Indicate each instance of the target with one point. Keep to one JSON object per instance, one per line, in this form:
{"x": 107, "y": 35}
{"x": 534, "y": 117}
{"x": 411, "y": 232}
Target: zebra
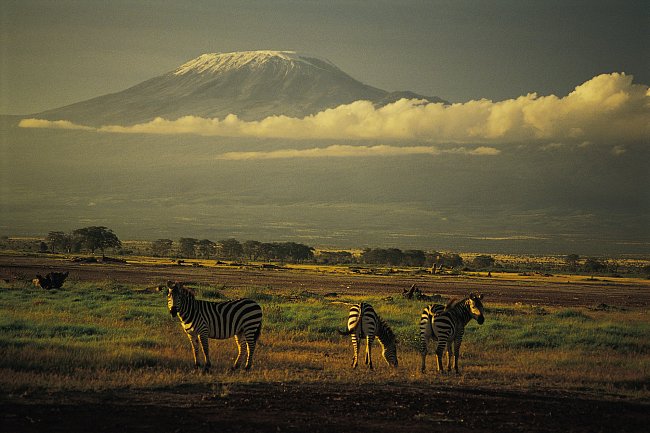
{"x": 241, "y": 318}
{"x": 364, "y": 322}
{"x": 426, "y": 328}
{"x": 448, "y": 328}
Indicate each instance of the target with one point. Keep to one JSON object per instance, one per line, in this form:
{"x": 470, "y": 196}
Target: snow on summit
{"x": 221, "y": 62}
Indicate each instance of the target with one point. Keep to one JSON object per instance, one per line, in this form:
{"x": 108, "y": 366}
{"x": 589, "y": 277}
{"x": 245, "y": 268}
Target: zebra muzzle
{"x": 173, "y": 311}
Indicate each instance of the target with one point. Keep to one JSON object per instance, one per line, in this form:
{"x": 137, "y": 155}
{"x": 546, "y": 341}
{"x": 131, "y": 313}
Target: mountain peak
{"x": 251, "y": 84}
{"x": 221, "y": 62}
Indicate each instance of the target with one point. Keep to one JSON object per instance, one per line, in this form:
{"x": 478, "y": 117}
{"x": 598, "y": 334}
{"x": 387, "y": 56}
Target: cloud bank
{"x": 608, "y": 108}
{"x": 52, "y": 124}
{"x": 341, "y": 151}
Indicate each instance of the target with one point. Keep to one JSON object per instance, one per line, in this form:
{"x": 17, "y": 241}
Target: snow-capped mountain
{"x": 251, "y": 84}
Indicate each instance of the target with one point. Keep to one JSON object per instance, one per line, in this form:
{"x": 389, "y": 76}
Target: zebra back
{"x": 451, "y": 322}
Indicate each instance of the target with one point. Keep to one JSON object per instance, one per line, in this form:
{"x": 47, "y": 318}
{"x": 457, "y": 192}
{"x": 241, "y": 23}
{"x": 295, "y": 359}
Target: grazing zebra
{"x": 448, "y": 328}
{"x": 364, "y": 322}
{"x": 201, "y": 320}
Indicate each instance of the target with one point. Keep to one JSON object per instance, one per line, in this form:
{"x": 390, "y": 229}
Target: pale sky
{"x": 54, "y": 53}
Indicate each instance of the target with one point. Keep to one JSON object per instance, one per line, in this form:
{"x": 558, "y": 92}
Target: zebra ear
{"x": 480, "y": 296}
{"x": 171, "y": 284}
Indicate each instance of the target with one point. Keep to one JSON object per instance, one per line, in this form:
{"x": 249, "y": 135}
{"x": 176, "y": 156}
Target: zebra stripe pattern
{"x": 426, "y": 328}
{"x": 201, "y": 320}
{"x": 364, "y": 322}
{"x": 448, "y": 327}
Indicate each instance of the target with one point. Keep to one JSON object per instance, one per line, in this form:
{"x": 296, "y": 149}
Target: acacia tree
{"x": 572, "y": 261}
{"x": 187, "y": 247}
{"x": 230, "y": 248}
{"x": 97, "y": 238}
{"x": 252, "y": 249}
{"x": 206, "y": 248}
{"x": 59, "y": 241}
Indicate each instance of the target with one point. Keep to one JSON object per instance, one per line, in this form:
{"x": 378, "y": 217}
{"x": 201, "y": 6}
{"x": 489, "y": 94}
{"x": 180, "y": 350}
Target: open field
{"x": 555, "y": 353}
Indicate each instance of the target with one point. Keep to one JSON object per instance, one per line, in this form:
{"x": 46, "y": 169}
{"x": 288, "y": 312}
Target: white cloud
{"x": 52, "y": 124}
{"x": 606, "y": 108}
{"x": 340, "y": 151}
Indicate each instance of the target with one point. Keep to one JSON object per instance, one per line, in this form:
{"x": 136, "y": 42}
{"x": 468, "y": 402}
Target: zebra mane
{"x": 385, "y": 334}
{"x": 452, "y": 302}
{"x": 188, "y": 291}
{"x": 179, "y": 286}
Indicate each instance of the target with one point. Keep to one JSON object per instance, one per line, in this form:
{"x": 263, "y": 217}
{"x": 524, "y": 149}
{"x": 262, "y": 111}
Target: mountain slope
{"x": 251, "y": 84}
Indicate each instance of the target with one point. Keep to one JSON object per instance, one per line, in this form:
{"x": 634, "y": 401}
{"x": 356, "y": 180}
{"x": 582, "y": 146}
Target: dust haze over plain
{"x": 535, "y": 173}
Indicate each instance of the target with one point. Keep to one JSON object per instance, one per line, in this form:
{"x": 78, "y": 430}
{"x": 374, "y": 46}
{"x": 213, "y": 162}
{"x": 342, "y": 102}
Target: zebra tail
{"x": 258, "y": 331}
{"x": 348, "y": 332}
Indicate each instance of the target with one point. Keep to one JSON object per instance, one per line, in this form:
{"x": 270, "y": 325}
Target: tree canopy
{"x": 97, "y": 238}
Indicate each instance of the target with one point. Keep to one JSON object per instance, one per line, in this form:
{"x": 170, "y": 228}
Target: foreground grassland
{"x": 103, "y": 336}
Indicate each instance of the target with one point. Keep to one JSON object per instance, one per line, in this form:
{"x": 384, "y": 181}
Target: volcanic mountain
{"x": 250, "y": 84}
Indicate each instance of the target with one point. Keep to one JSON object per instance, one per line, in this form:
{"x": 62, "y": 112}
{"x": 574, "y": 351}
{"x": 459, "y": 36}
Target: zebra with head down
{"x": 365, "y": 323}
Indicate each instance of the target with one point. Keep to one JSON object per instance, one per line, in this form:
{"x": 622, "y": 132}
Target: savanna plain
{"x": 102, "y": 353}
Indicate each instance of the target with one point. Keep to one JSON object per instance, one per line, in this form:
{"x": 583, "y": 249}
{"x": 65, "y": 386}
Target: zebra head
{"x": 176, "y": 296}
{"x": 390, "y": 354}
{"x": 476, "y": 307}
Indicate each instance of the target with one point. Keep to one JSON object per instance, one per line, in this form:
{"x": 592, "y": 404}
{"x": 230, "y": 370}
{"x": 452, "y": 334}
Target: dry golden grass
{"x": 98, "y": 338}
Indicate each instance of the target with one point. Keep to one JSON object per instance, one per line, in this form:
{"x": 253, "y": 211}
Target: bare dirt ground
{"x": 325, "y": 407}
{"x": 320, "y": 408}
{"x": 551, "y": 291}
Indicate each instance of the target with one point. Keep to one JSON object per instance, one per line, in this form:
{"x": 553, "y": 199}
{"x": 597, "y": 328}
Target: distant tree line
{"x": 232, "y": 249}
{"x": 95, "y": 239}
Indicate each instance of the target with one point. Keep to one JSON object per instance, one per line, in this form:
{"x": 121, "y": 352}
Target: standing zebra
{"x": 426, "y": 328}
{"x": 364, "y": 322}
{"x": 201, "y": 320}
{"x": 448, "y": 328}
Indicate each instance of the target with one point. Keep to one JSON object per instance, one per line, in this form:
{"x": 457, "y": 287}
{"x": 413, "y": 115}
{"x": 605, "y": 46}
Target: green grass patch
{"x": 92, "y": 336}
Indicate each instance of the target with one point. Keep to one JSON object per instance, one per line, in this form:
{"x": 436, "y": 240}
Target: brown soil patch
{"x": 320, "y": 408}
{"x": 533, "y": 291}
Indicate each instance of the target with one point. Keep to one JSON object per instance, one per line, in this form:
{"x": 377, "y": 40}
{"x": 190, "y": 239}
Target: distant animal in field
{"x": 415, "y": 293}
{"x": 365, "y": 323}
{"x": 53, "y": 280}
{"x": 201, "y": 320}
{"x": 408, "y": 294}
{"x": 448, "y": 327}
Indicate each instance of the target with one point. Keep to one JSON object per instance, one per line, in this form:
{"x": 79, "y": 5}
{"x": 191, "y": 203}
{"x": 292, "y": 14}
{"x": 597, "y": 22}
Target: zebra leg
{"x": 194, "y": 342}
{"x": 206, "y": 351}
{"x": 250, "y": 346}
{"x": 369, "y": 341}
{"x": 251, "y": 342}
{"x": 355, "y": 346}
{"x": 440, "y": 351}
{"x": 236, "y": 364}
{"x": 423, "y": 350}
{"x": 449, "y": 355}
{"x": 456, "y": 353}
